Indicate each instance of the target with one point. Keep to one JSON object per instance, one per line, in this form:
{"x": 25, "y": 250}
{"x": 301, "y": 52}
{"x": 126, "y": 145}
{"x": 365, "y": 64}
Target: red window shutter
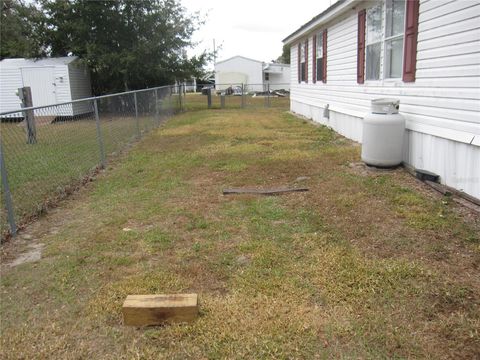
{"x": 299, "y": 63}
{"x": 361, "y": 47}
{"x": 306, "y": 60}
{"x": 324, "y": 56}
{"x": 314, "y": 59}
{"x": 410, "y": 43}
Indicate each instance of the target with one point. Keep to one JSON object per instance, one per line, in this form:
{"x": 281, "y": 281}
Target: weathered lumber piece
{"x": 436, "y": 186}
{"x": 447, "y": 190}
{"x": 271, "y": 191}
{"x": 467, "y": 204}
{"x": 144, "y": 310}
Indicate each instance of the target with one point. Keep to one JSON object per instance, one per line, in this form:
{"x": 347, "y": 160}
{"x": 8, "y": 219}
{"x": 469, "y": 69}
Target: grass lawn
{"x": 197, "y": 101}
{"x": 64, "y": 154}
{"x": 364, "y": 265}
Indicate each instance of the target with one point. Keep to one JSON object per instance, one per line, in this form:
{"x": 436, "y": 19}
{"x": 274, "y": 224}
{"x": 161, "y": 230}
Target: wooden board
{"x": 144, "y": 310}
{"x": 271, "y": 191}
{"x": 436, "y": 186}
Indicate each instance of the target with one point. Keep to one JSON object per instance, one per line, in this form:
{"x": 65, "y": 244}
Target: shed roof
{"x": 51, "y": 61}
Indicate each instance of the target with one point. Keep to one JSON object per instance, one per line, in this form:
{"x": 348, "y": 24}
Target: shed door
{"x": 42, "y": 82}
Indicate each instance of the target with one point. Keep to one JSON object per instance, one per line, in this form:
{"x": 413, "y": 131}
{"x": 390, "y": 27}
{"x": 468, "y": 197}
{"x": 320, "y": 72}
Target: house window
{"x": 373, "y": 42}
{"x": 319, "y": 57}
{"x": 395, "y": 27}
{"x": 384, "y": 40}
{"x": 303, "y": 62}
{"x": 267, "y": 76}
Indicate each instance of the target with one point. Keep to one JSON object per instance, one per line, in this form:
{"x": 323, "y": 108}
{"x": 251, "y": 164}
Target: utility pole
{"x": 214, "y": 53}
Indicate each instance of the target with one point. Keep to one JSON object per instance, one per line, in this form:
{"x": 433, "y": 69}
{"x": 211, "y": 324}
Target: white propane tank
{"x": 383, "y": 131}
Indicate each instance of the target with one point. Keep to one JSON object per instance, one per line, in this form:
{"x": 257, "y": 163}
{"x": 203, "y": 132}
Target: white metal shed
{"x": 52, "y": 81}
{"x": 255, "y": 73}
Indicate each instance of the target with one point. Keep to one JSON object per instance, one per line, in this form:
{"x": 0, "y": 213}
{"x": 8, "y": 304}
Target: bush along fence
{"x": 48, "y": 151}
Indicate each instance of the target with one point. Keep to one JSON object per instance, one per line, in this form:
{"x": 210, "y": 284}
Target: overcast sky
{"x": 252, "y": 28}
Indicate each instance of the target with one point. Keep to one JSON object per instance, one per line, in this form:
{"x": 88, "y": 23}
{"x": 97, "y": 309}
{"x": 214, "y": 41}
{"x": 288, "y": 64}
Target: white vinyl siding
{"x": 80, "y": 88}
{"x": 444, "y": 100}
{"x": 10, "y": 81}
{"x": 445, "y": 92}
{"x": 293, "y": 64}
{"x": 62, "y": 84}
{"x": 238, "y": 70}
{"x": 70, "y": 81}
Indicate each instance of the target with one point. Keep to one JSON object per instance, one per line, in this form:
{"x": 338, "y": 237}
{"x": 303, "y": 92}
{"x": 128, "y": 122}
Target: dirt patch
{"x": 34, "y": 253}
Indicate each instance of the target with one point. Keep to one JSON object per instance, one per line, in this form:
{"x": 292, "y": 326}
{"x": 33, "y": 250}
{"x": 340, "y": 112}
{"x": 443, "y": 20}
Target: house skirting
{"x": 457, "y": 163}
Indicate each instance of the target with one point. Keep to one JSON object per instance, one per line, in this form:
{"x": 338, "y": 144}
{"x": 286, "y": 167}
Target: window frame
{"x": 303, "y": 61}
{"x": 377, "y": 42}
{"x": 386, "y": 57}
{"x": 319, "y": 37}
{"x": 384, "y": 53}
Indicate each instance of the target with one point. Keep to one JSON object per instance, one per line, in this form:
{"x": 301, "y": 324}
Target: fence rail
{"x": 239, "y": 95}
{"x": 46, "y": 151}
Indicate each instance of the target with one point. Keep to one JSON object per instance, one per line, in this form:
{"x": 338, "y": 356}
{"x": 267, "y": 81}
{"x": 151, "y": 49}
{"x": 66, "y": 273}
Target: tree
{"x": 126, "y": 44}
{"x": 21, "y": 28}
{"x": 285, "y": 57}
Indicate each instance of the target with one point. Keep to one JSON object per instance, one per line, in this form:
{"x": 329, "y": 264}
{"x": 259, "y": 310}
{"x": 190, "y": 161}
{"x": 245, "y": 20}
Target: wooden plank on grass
{"x": 143, "y": 310}
{"x": 271, "y": 191}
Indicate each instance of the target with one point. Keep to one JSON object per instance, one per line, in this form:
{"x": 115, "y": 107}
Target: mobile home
{"x": 424, "y": 53}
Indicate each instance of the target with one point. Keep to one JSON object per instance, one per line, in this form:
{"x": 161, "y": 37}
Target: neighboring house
{"x": 424, "y": 53}
{"x": 190, "y": 84}
{"x": 241, "y": 70}
{"x": 52, "y": 81}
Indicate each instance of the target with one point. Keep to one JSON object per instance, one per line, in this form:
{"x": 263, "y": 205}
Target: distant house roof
{"x": 65, "y": 60}
{"x": 335, "y": 9}
{"x": 208, "y": 76}
{"x": 266, "y": 65}
{"x": 237, "y": 56}
{"x": 269, "y": 66}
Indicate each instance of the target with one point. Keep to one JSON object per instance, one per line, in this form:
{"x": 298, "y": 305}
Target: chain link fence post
{"x": 180, "y": 96}
{"x": 157, "y": 119}
{"x": 243, "y": 96}
{"x": 25, "y": 95}
{"x": 209, "y": 98}
{"x": 268, "y": 95}
{"x": 7, "y": 194}
{"x": 184, "y": 96}
{"x": 135, "y": 103}
{"x": 99, "y": 135}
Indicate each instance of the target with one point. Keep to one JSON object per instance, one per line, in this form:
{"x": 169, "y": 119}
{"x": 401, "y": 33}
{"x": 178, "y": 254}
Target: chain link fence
{"x": 238, "y": 95}
{"x": 48, "y": 151}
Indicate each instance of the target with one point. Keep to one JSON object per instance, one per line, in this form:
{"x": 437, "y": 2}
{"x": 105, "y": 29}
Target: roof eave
{"x": 336, "y": 9}
{"x": 238, "y": 56}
